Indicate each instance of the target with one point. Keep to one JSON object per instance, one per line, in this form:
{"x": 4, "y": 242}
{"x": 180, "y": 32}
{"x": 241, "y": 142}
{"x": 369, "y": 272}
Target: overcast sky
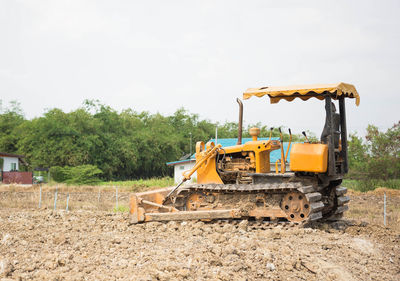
{"x": 161, "y": 55}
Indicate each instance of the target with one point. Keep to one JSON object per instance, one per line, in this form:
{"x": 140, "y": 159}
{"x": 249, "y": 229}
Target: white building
{"x": 182, "y": 166}
{"x": 10, "y": 162}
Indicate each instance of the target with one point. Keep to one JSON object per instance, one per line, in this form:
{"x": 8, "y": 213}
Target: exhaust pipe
{"x": 240, "y": 124}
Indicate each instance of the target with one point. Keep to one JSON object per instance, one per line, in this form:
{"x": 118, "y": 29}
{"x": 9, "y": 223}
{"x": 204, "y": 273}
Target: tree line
{"x": 130, "y": 145}
{"x": 123, "y": 145}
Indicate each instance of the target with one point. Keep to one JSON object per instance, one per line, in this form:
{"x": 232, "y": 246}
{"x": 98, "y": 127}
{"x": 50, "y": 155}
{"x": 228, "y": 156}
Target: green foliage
{"x": 384, "y": 149}
{"x": 141, "y": 184}
{"x": 125, "y": 145}
{"x": 371, "y": 184}
{"x": 357, "y": 155}
{"x": 81, "y": 175}
{"x": 376, "y": 160}
{"x": 10, "y": 118}
{"x": 58, "y": 174}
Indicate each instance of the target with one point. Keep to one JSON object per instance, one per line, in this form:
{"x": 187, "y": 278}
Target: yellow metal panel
{"x": 262, "y": 162}
{"x": 207, "y": 173}
{"x": 303, "y": 92}
{"x": 306, "y": 157}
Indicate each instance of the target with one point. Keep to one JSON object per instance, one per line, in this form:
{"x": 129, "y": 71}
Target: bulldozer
{"x": 237, "y": 182}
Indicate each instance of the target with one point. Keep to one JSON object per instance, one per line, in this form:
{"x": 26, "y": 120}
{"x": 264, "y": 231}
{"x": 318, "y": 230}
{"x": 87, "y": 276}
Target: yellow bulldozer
{"x": 236, "y": 182}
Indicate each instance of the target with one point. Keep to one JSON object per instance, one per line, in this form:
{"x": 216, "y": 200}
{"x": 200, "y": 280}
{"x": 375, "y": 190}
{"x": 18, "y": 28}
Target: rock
{"x": 5, "y": 267}
{"x": 116, "y": 241}
{"x": 7, "y": 240}
{"x": 173, "y": 225}
{"x": 276, "y": 234}
{"x": 243, "y": 225}
{"x": 183, "y": 273}
{"x": 270, "y": 266}
{"x": 198, "y": 224}
{"x": 59, "y": 239}
{"x": 289, "y": 266}
{"x": 207, "y": 229}
{"x": 230, "y": 249}
{"x": 197, "y": 232}
{"x": 227, "y": 228}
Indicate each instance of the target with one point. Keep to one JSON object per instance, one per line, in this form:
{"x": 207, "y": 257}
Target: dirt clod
{"x": 102, "y": 245}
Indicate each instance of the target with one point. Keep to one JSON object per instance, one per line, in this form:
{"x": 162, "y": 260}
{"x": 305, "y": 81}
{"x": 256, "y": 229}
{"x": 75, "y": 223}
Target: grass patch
{"x": 140, "y": 185}
{"x": 371, "y": 184}
{"x": 121, "y": 209}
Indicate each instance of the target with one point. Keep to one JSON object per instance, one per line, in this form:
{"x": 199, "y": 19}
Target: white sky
{"x": 160, "y": 55}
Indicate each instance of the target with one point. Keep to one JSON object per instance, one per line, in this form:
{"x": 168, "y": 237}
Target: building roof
{"x": 4, "y": 154}
{"x": 274, "y": 155}
{"x": 173, "y": 163}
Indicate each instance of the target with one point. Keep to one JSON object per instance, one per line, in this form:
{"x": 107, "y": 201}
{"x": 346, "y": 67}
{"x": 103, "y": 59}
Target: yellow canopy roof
{"x": 304, "y": 92}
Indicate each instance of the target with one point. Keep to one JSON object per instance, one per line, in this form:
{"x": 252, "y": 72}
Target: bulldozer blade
{"x": 147, "y": 202}
{"x": 147, "y": 206}
{"x": 192, "y": 215}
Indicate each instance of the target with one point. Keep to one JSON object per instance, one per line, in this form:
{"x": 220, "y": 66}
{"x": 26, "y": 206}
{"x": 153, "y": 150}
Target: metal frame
{"x": 343, "y": 132}
{"x": 331, "y": 144}
{"x": 343, "y": 136}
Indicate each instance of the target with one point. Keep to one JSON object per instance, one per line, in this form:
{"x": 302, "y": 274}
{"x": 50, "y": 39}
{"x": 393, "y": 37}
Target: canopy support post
{"x": 343, "y": 132}
{"x": 331, "y": 144}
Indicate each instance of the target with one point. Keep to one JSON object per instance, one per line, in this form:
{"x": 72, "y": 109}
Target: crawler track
{"x": 292, "y": 202}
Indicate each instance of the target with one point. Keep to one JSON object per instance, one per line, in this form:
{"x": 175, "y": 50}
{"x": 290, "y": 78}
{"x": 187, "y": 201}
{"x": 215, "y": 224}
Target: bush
{"x": 83, "y": 174}
{"x": 58, "y": 174}
{"x": 371, "y": 184}
{"x": 377, "y": 158}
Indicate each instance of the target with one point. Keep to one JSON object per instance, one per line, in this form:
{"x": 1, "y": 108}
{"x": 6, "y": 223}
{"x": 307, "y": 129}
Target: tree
{"x": 10, "y": 118}
{"x": 378, "y": 157}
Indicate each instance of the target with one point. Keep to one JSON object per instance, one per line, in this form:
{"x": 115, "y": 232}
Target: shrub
{"x": 377, "y": 157}
{"x": 83, "y": 174}
{"x": 58, "y": 173}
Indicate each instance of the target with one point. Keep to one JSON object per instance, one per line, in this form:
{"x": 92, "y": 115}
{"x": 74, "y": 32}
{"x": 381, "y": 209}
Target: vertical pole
{"x": 216, "y": 135}
{"x": 55, "y": 198}
{"x": 331, "y": 143}
{"x": 190, "y": 144}
{"x": 116, "y": 198}
{"x": 67, "y": 202}
{"x": 343, "y": 132}
{"x": 240, "y": 123}
{"x": 40, "y": 197}
{"x": 98, "y": 197}
{"x": 384, "y": 209}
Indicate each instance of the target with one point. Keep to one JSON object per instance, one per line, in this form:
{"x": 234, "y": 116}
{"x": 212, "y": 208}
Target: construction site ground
{"x": 93, "y": 242}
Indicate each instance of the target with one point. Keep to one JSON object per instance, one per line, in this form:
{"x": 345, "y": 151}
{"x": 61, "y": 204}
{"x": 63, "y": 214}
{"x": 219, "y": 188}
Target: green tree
{"x": 11, "y": 118}
{"x": 384, "y": 151}
{"x": 376, "y": 157}
{"x": 357, "y": 156}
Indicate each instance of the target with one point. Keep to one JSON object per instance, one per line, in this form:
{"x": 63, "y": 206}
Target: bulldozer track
{"x": 317, "y": 209}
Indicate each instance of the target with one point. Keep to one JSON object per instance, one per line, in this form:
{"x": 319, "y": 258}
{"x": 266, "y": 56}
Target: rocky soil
{"x": 97, "y": 245}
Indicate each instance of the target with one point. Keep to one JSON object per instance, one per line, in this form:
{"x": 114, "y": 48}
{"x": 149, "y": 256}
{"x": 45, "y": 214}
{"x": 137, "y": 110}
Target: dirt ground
{"x": 95, "y": 243}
